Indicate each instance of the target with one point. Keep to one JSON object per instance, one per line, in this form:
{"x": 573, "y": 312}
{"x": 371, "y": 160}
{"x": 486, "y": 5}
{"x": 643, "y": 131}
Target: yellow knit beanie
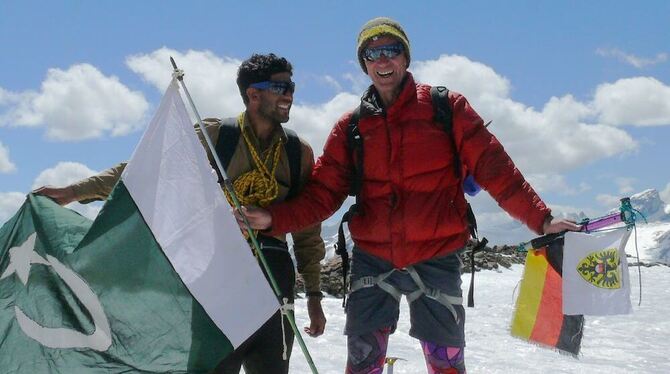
{"x": 377, "y": 27}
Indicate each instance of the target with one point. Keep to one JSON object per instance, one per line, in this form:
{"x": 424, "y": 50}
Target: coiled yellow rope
{"x": 258, "y": 186}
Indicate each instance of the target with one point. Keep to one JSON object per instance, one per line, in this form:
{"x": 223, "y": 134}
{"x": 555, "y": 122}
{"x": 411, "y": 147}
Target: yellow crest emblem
{"x": 602, "y": 268}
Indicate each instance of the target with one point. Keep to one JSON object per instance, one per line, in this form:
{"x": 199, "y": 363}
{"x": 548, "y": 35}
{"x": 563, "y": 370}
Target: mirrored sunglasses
{"x": 390, "y": 51}
{"x": 277, "y": 87}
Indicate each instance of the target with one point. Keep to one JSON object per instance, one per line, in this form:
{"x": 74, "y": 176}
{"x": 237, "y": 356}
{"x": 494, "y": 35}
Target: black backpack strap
{"x": 444, "y": 115}
{"x": 341, "y": 250}
{"x": 294, "y": 152}
{"x": 229, "y": 135}
{"x": 355, "y": 147}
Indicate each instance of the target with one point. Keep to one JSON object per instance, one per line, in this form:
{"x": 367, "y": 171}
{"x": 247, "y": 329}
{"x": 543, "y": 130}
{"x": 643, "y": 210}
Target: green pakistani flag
{"x": 161, "y": 281}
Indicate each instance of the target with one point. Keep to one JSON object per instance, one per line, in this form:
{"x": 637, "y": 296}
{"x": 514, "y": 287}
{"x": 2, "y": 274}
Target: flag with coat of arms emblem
{"x": 595, "y": 273}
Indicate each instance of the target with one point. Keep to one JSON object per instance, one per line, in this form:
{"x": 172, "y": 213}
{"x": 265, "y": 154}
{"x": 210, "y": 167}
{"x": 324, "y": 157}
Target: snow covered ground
{"x": 635, "y": 343}
{"x": 653, "y": 242}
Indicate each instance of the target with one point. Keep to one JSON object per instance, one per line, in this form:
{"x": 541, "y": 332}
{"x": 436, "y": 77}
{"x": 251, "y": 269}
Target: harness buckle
{"x": 368, "y": 281}
{"x": 432, "y": 293}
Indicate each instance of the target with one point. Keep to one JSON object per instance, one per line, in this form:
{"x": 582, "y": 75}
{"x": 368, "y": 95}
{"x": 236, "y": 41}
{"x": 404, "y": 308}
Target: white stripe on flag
{"x": 176, "y": 191}
{"x": 594, "y": 257}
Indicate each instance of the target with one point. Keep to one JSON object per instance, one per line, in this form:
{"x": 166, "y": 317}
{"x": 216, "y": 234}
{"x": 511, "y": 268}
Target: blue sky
{"x": 579, "y": 92}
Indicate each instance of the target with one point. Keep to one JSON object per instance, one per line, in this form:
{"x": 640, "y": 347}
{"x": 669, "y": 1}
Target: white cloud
{"x": 77, "y": 103}
{"x": 332, "y": 82}
{"x": 314, "y": 122}
{"x": 10, "y": 202}
{"x": 638, "y": 62}
{"x": 550, "y": 183}
{"x": 6, "y": 97}
{"x": 359, "y": 82}
{"x": 63, "y": 174}
{"x": 15, "y": 108}
{"x": 639, "y": 101}
{"x": 626, "y": 185}
{"x": 608, "y": 201}
{"x": 583, "y": 187}
{"x": 471, "y": 78}
{"x": 66, "y": 173}
{"x": 210, "y": 79}
{"x": 498, "y": 220}
{"x": 665, "y": 194}
{"x": 558, "y": 138}
{"x": 6, "y": 165}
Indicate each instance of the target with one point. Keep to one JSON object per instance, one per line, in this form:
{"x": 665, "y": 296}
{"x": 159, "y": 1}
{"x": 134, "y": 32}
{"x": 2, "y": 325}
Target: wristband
{"x": 315, "y": 294}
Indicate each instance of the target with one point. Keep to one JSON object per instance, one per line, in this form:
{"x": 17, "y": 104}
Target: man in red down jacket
{"x": 413, "y": 212}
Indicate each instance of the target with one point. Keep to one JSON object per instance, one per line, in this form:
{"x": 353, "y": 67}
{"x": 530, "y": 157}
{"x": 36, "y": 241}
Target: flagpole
{"x": 227, "y": 184}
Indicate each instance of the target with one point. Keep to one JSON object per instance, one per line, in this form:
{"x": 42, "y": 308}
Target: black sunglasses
{"x": 278, "y": 87}
{"x": 390, "y": 51}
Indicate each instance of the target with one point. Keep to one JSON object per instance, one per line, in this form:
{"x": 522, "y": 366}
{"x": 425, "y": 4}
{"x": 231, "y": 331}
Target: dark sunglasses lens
{"x": 390, "y": 51}
{"x": 282, "y": 88}
{"x": 372, "y": 54}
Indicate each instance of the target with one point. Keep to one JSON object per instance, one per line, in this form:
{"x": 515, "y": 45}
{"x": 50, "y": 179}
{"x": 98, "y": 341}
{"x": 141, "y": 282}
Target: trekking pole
{"x": 228, "y": 185}
{"x": 626, "y": 215}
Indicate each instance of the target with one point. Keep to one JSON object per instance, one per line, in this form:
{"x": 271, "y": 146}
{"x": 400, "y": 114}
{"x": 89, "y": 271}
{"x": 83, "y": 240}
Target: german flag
{"x": 538, "y": 315}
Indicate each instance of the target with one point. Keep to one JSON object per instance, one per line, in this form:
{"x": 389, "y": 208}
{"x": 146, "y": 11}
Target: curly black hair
{"x": 259, "y": 68}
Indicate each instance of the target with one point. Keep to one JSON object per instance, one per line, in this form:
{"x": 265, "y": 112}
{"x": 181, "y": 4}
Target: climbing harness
{"x": 432, "y": 293}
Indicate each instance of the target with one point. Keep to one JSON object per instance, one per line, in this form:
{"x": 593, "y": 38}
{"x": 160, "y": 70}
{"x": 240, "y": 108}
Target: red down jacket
{"x": 413, "y": 207}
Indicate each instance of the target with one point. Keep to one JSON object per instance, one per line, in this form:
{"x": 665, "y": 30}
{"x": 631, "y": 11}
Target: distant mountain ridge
{"x": 650, "y": 204}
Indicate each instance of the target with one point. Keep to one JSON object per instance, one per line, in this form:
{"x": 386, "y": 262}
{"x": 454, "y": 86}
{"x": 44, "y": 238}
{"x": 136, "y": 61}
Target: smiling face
{"x": 273, "y": 106}
{"x": 387, "y": 73}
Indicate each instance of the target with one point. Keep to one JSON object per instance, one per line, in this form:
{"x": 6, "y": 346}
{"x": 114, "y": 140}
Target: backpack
{"x": 229, "y": 136}
{"x": 443, "y": 115}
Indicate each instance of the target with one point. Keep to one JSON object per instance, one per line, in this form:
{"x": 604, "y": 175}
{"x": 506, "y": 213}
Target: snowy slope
{"x": 636, "y": 343}
{"x": 653, "y": 242}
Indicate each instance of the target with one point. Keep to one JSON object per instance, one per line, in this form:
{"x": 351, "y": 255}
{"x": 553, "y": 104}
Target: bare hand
{"x": 316, "y": 317}
{"x": 61, "y": 195}
{"x": 258, "y": 218}
{"x": 555, "y": 225}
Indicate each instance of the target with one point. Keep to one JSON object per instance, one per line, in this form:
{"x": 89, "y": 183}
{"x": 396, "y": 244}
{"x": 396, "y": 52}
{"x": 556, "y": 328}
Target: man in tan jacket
{"x": 260, "y": 157}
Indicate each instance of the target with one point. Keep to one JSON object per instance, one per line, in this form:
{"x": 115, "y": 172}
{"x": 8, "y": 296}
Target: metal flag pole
{"x": 228, "y": 185}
